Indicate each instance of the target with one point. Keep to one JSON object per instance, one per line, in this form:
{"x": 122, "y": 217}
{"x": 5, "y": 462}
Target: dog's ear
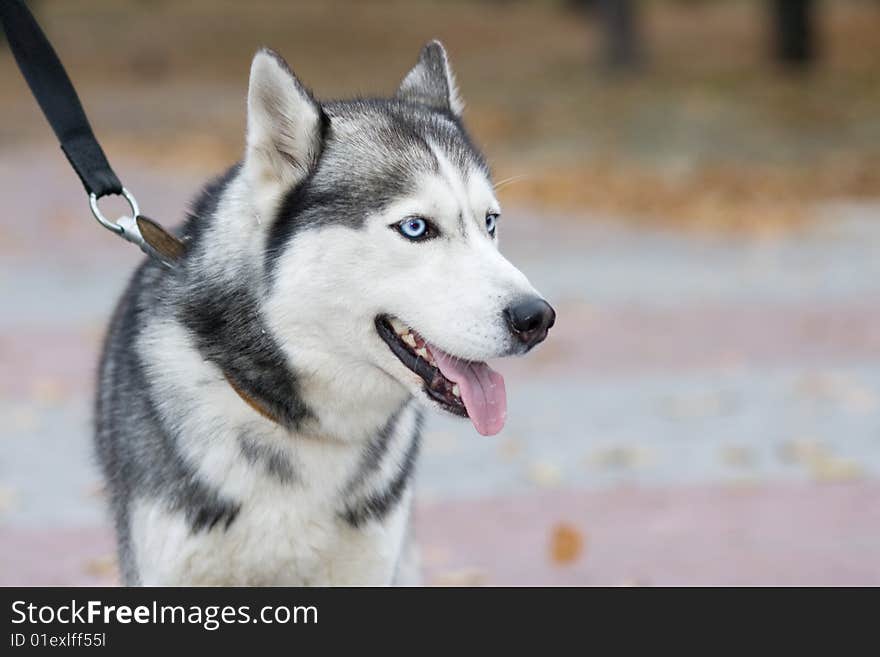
{"x": 285, "y": 124}
{"x": 431, "y": 81}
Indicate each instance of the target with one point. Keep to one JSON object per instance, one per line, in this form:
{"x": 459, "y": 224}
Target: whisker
{"x": 508, "y": 181}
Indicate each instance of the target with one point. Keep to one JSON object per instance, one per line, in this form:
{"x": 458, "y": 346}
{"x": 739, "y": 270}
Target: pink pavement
{"x": 798, "y": 534}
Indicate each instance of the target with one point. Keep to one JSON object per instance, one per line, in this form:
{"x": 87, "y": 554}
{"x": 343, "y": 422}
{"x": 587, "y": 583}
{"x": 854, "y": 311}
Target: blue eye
{"x": 491, "y": 220}
{"x": 414, "y": 228}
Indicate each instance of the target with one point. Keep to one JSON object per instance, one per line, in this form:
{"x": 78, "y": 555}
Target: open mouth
{"x": 470, "y": 389}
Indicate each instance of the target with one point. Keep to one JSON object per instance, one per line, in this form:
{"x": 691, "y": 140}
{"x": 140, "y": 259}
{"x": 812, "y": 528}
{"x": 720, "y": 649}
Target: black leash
{"x": 54, "y": 92}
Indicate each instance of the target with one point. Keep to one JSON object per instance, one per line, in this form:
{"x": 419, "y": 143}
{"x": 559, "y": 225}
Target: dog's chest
{"x": 309, "y": 514}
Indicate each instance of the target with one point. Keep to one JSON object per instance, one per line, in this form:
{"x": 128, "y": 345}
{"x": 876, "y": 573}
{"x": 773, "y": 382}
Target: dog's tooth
{"x": 456, "y": 390}
{"x": 398, "y": 326}
{"x": 422, "y": 352}
{"x": 409, "y": 339}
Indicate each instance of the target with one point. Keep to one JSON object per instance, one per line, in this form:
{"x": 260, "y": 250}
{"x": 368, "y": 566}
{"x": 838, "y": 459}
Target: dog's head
{"x": 381, "y": 238}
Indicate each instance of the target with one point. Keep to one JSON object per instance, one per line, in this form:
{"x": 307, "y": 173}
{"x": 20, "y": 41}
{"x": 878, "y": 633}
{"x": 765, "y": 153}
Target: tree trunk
{"x": 622, "y": 39}
{"x": 794, "y": 32}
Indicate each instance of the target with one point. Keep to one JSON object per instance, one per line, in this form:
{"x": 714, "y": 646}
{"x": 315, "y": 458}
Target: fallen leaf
{"x": 834, "y": 468}
{"x": 847, "y": 391}
{"x": 821, "y": 463}
{"x": 566, "y": 544}
{"x": 464, "y": 577}
{"x": 103, "y": 567}
{"x": 802, "y": 451}
{"x": 620, "y": 456}
{"x": 545, "y": 474}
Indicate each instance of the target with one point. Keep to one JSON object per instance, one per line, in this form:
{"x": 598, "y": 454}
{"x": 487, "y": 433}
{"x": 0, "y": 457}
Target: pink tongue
{"x": 482, "y": 390}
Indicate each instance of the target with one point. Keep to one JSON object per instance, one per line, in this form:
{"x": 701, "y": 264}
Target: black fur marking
{"x": 375, "y": 452}
{"x": 146, "y": 464}
{"x": 274, "y": 463}
{"x": 230, "y": 333}
{"x": 227, "y": 324}
{"x": 379, "y": 505}
{"x": 207, "y": 517}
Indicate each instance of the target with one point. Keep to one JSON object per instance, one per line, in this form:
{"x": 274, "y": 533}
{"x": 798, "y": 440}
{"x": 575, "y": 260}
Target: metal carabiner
{"x": 127, "y": 226}
{"x": 112, "y": 225}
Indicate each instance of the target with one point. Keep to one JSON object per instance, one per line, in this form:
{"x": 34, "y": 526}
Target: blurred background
{"x": 694, "y": 184}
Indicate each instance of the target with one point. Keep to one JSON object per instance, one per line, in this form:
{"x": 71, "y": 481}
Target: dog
{"x": 260, "y": 404}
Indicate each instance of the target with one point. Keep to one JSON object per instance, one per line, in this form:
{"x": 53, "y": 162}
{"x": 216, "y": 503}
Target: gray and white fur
{"x": 290, "y": 257}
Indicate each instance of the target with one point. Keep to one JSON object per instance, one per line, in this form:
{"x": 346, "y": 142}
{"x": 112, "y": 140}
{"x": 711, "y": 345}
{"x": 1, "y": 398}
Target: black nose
{"x": 529, "y": 320}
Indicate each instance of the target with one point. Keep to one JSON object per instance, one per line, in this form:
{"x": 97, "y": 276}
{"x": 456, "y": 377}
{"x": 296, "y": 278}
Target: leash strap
{"x": 61, "y": 106}
{"x": 57, "y": 98}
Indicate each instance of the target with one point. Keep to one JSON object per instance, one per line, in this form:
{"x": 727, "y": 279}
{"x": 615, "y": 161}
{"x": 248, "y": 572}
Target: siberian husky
{"x": 260, "y": 404}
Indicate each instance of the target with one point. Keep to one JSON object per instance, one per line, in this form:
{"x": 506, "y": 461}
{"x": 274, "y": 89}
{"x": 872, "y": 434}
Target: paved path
{"x": 706, "y": 411}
